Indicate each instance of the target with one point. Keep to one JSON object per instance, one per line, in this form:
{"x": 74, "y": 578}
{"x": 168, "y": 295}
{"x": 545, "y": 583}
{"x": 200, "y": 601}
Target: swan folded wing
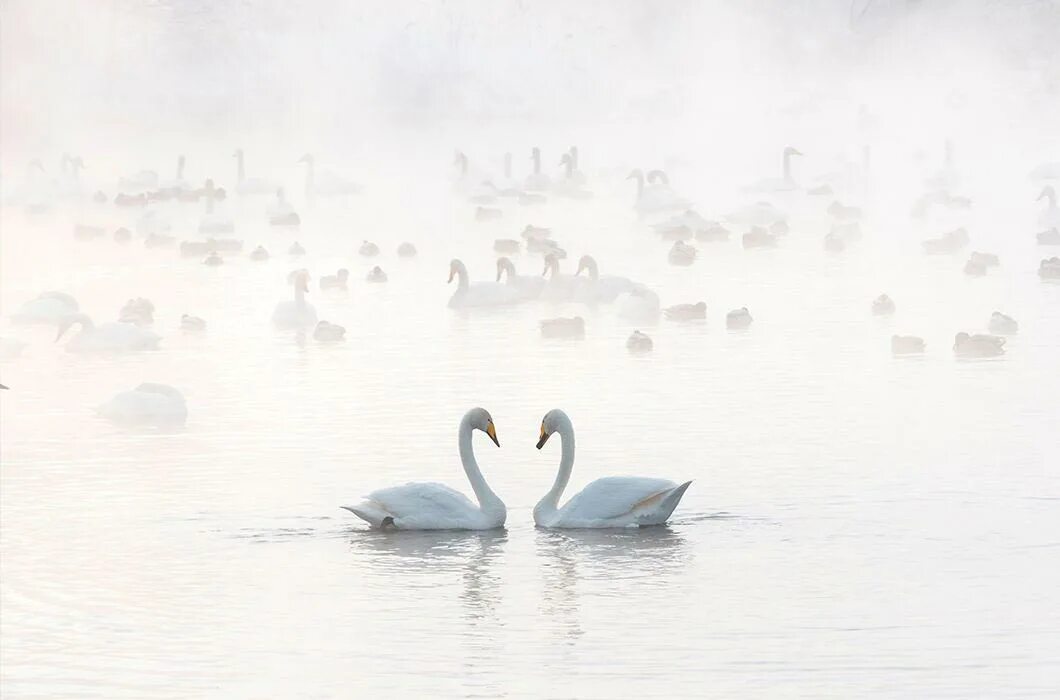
{"x": 616, "y": 496}
{"x": 425, "y": 505}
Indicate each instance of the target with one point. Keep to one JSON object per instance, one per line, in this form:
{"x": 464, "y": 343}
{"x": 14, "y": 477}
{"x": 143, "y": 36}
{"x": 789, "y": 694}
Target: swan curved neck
{"x": 550, "y": 502}
{"x": 487, "y": 499}
{"x": 594, "y": 271}
{"x": 1050, "y": 195}
{"x": 462, "y": 281}
{"x": 505, "y": 266}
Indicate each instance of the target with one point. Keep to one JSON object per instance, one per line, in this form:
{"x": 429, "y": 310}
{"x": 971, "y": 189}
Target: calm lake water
{"x": 857, "y": 525}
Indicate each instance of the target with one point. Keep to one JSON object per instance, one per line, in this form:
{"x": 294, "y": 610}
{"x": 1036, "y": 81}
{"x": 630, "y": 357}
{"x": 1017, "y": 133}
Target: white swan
{"x": 602, "y": 289}
{"x": 563, "y": 287}
{"x": 614, "y": 501}
{"x": 537, "y": 181}
{"x": 296, "y": 313}
{"x": 147, "y": 404}
{"x": 107, "y": 337}
{"x": 281, "y": 213}
{"x": 469, "y": 295}
{"x": 325, "y": 183}
{"x": 250, "y": 185}
{"x": 656, "y": 197}
{"x": 785, "y": 183}
{"x": 1049, "y": 218}
{"x": 432, "y": 506}
{"x": 640, "y": 305}
{"x": 50, "y": 308}
{"x": 529, "y": 287}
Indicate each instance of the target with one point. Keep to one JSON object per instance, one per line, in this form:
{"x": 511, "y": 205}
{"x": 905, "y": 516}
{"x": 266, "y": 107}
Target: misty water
{"x": 859, "y": 524}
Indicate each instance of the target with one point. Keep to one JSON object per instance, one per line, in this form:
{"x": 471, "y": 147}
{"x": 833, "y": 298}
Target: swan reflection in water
{"x": 567, "y": 557}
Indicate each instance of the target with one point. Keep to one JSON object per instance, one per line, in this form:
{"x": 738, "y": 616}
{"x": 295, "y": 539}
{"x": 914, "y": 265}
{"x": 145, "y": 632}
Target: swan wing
{"x": 614, "y": 497}
{"x": 425, "y": 506}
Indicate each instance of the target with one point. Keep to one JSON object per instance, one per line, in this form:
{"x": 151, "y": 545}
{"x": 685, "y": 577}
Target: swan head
{"x": 551, "y": 263}
{"x": 790, "y": 151}
{"x": 505, "y": 264}
{"x": 480, "y": 419}
{"x": 456, "y": 267}
{"x": 69, "y": 321}
{"x": 587, "y": 262}
{"x": 300, "y": 280}
{"x": 552, "y": 422}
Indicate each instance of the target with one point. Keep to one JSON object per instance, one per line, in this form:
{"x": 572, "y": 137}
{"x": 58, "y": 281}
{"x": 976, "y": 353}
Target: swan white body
{"x": 480, "y": 294}
{"x": 147, "y": 404}
{"x": 50, "y": 308}
{"x": 640, "y": 305}
{"x": 614, "y": 501}
{"x": 561, "y": 287}
{"x": 325, "y": 183}
{"x": 296, "y": 313}
{"x": 433, "y": 506}
{"x": 785, "y": 183}
{"x": 656, "y": 198}
{"x": 107, "y": 337}
{"x": 529, "y": 287}
{"x": 601, "y": 289}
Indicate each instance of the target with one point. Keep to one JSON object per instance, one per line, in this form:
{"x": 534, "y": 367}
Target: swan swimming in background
{"x": 1050, "y": 217}
{"x": 656, "y": 197}
{"x": 113, "y": 337}
{"x": 785, "y": 183}
{"x": 537, "y": 181}
{"x": 433, "y": 506}
{"x": 614, "y": 501}
{"x": 151, "y": 404}
{"x": 469, "y": 295}
{"x": 640, "y": 305}
{"x": 563, "y": 287}
{"x": 297, "y": 313}
{"x": 50, "y": 308}
{"x": 602, "y": 289}
{"x": 281, "y": 213}
{"x": 250, "y": 185}
{"x": 529, "y": 286}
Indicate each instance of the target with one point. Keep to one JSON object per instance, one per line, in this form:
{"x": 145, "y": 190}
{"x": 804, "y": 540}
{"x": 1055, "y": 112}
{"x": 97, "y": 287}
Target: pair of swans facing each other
{"x": 605, "y": 503}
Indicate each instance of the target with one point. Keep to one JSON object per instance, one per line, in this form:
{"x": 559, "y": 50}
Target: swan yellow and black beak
{"x": 544, "y": 437}
{"x": 492, "y": 432}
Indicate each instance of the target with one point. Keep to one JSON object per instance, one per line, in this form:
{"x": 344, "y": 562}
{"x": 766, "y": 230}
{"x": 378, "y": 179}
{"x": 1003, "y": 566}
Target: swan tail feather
{"x": 666, "y": 506}
{"x": 371, "y": 515}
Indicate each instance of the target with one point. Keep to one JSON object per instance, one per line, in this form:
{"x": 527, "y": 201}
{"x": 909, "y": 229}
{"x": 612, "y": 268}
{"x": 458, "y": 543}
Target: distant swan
{"x": 433, "y": 506}
{"x": 529, "y": 286}
{"x": 325, "y": 183}
{"x": 640, "y": 305}
{"x": 107, "y": 337}
{"x": 250, "y": 185}
{"x": 296, "y": 313}
{"x": 658, "y": 197}
{"x": 469, "y": 295}
{"x": 786, "y": 183}
{"x": 147, "y": 404}
{"x": 615, "y": 501}
{"x": 602, "y": 289}
{"x": 1050, "y": 217}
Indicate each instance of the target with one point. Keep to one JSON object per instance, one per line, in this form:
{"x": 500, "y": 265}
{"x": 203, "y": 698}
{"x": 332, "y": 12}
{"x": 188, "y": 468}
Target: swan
{"x": 368, "y": 249}
{"x": 883, "y": 305}
{"x": 756, "y": 214}
{"x": 297, "y": 313}
{"x": 529, "y": 287}
{"x": 213, "y": 221}
{"x": 113, "y": 337}
{"x": 259, "y": 254}
{"x": 614, "y": 501}
{"x": 376, "y": 275}
{"x": 640, "y": 305}
{"x": 406, "y": 250}
{"x": 49, "y": 308}
{"x": 656, "y": 197}
{"x": 193, "y": 324}
{"x": 1050, "y": 237}
{"x": 949, "y": 242}
{"x": 978, "y": 345}
{"x": 563, "y": 327}
{"x": 738, "y": 319}
{"x": 563, "y": 287}
{"x": 336, "y": 281}
{"x": 296, "y": 249}
{"x": 1002, "y": 324}
{"x": 1049, "y": 269}
{"x": 687, "y": 312}
{"x": 572, "y": 183}
{"x": 537, "y": 181}
{"x": 602, "y": 289}
{"x": 153, "y": 404}
{"x": 281, "y": 213}
{"x": 1050, "y": 218}
{"x": 639, "y": 343}
{"x": 178, "y": 185}
{"x": 758, "y": 237}
{"x": 682, "y": 254}
{"x": 250, "y": 185}
{"x": 506, "y": 246}
{"x": 137, "y": 311}
{"x": 325, "y": 183}
{"x": 786, "y": 183}
{"x": 432, "y": 506}
{"x": 906, "y": 345}
{"x": 329, "y": 332}
{"x": 481, "y": 293}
